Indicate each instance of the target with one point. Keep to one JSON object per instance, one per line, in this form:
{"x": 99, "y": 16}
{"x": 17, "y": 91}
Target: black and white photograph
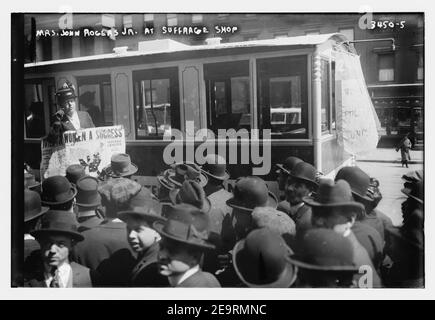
{"x": 256, "y": 150}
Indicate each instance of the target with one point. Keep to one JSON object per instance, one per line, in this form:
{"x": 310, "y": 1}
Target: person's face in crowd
{"x": 242, "y": 223}
{"x": 140, "y": 235}
{"x": 55, "y": 249}
{"x": 174, "y": 258}
{"x": 337, "y": 220}
{"x": 282, "y": 179}
{"x": 69, "y": 106}
{"x": 295, "y": 190}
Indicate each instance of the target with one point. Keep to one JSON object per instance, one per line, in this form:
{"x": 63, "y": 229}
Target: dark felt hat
{"x": 324, "y": 250}
{"x": 288, "y": 164}
{"x": 262, "y": 260}
{"x": 305, "y": 172}
{"x": 416, "y": 191}
{"x": 29, "y": 181}
{"x": 192, "y": 193}
{"x": 164, "y": 181}
{"x": 32, "y": 205}
{"x": 215, "y": 167}
{"x": 74, "y": 172}
{"x": 57, "y": 190}
{"x": 186, "y": 224}
{"x": 186, "y": 171}
{"x": 120, "y": 166}
{"x": 358, "y": 180}
{"x": 87, "y": 192}
{"x": 143, "y": 205}
{"x": 58, "y": 221}
{"x": 332, "y": 195}
{"x": 251, "y": 192}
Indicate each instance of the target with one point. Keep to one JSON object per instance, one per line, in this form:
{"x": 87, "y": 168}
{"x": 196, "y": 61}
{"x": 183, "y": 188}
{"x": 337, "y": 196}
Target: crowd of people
{"x": 82, "y": 231}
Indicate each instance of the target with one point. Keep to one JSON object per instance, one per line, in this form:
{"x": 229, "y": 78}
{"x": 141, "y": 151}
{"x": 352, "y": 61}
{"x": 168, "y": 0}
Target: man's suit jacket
{"x": 80, "y": 278}
{"x": 200, "y": 279}
{"x": 106, "y": 251}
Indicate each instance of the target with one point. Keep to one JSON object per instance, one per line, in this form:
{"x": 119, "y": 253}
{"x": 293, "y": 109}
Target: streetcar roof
{"x": 164, "y": 46}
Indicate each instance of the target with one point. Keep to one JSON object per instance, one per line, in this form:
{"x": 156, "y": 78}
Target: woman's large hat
{"x": 32, "y": 205}
{"x": 58, "y": 221}
{"x": 251, "y": 192}
{"x": 333, "y": 195}
{"x": 186, "y": 171}
{"x": 120, "y": 166}
{"x": 215, "y": 167}
{"x": 186, "y": 224}
{"x": 324, "y": 250}
{"x": 87, "y": 192}
{"x": 358, "y": 180}
{"x": 262, "y": 260}
{"x": 57, "y": 190}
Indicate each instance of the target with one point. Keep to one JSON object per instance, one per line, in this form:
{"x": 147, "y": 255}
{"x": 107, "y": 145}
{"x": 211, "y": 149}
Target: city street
{"x": 384, "y": 164}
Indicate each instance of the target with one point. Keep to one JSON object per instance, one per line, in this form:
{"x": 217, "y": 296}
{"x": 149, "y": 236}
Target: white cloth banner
{"x": 92, "y": 148}
{"x": 357, "y": 121}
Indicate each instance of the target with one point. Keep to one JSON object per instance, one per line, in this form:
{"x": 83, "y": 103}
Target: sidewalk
{"x": 389, "y": 155}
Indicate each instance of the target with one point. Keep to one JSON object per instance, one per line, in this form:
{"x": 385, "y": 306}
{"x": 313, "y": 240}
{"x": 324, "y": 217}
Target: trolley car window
{"x": 326, "y": 105}
{"x": 282, "y": 98}
{"x": 228, "y": 95}
{"x": 156, "y": 102}
{"x": 95, "y": 97}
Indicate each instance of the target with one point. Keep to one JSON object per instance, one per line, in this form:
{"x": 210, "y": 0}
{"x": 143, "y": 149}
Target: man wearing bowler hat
{"x": 32, "y": 213}
{"x": 368, "y": 227}
{"x": 58, "y": 193}
{"x": 184, "y": 240}
{"x": 301, "y": 182}
{"x": 261, "y": 260}
{"x": 144, "y": 240}
{"x": 88, "y": 203}
{"x": 333, "y": 207}
{"x": 57, "y": 236}
{"x": 324, "y": 259}
{"x": 284, "y": 170}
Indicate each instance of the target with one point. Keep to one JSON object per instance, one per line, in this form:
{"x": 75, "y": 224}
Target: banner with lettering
{"x": 92, "y": 148}
{"x": 357, "y": 121}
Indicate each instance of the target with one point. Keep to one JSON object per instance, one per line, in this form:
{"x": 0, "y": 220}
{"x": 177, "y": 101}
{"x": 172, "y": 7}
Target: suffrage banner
{"x": 357, "y": 121}
{"x": 92, "y": 148}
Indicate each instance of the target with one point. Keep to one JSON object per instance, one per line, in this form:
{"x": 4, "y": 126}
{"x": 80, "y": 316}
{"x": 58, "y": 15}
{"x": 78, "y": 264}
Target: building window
{"x": 171, "y": 19}
{"x": 326, "y": 96}
{"x": 348, "y": 33}
{"x": 196, "y": 18}
{"x": 386, "y": 67}
{"x": 420, "y": 66}
{"x": 127, "y": 21}
{"x": 310, "y": 33}
{"x": 228, "y": 95}
{"x": 45, "y": 43}
{"x": 156, "y": 102}
{"x": 65, "y": 46}
{"x": 283, "y": 96}
{"x": 149, "y": 20}
{"x": 95, "y": 97}
{"x": 108, "y": 21}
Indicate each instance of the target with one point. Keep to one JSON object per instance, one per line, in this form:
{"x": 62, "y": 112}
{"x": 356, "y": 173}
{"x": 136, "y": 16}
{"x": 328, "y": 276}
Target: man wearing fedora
{"x": 88, "y": 203}
{"x": 144, "y": 240}
{"x": 57, "y": 236}
{"x": 32, "y": 213}
{"x": 333, "y": 207}
{"x": 324, "y": 259}
{"x": 301, "y": 182}
{"x": 368, "y": 227}
{"x": 58, "y": 193}
{"x": 74, "y": 172}
{"x": 261, "y": 260}
{"x": 184, "y": 239}
{"x": 106, "y": 249}
{"x": 406, "y": 245}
